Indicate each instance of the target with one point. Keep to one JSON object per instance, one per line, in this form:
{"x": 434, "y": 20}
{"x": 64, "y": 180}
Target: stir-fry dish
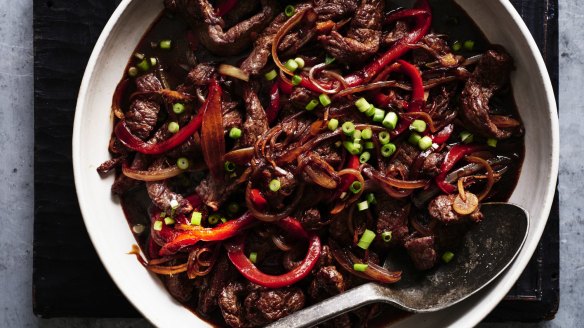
{"x": 271, "y": 154}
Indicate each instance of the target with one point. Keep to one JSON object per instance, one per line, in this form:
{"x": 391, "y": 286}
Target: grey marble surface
{"x": 16, "y": 173}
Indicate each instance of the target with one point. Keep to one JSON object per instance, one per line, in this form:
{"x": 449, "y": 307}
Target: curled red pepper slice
{"x": 195, "y": 234}
{"x": 454, "y": 155}
{"x": 236, "y": 253}
{"x": 258, "y": 199}
{"x": 417, "y": 85}
{"x": 443, "y": 135}
{"x": 131, "y": 141}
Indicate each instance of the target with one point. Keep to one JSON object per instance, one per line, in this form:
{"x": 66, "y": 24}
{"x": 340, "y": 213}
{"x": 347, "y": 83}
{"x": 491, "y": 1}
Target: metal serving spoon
{"x": 488, "y": 249}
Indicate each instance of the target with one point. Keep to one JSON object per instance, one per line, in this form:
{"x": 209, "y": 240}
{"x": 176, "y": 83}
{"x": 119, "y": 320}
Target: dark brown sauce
{"x": 448, "y": 18}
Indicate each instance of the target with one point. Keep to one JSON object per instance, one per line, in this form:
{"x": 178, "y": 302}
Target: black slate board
{"x": 68, "y": 278}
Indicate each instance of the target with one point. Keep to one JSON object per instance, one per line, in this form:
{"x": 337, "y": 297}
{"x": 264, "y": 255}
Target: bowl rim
{"x": 486, "y": 305}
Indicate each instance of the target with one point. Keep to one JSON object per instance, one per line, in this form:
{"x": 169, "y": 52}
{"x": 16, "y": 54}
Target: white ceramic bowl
{"x": 112, "y": 238}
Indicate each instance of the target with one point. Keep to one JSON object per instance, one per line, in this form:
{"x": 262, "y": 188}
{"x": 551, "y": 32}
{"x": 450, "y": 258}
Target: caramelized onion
{"x": 374, "y": 272}
{"x": 504, "y": 121}
{"x": 197, "y": 266}
{"x": 212, "y": 138}
{"x": 280, "y": 244}
{"x": 149, "y": 176}
{"x": 490, "y": 175}
{"x": 373, "y": 86}
{"x": 317, "y": 84}
{"x": 167, "y": 270}
{"x": 271, "y": 217}
{"x": 392, "y": 182}
{"x": 240, "y": 156}
{"x": 233, "y": 71}
{"x": 290, "y": 23}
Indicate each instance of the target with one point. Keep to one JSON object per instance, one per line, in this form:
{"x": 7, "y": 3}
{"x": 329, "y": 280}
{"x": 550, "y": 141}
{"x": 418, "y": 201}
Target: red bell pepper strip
{"x": 417, "y": 85}
{"x": 129, "y": 140}
{"x": 236, "y": 253}
{"x": 454, "y": 155}
{"x": 221, "y": 232}
{"x": 274, "y": 108}
{"x": 401, "y": 47}
{"x": 258, "y": 199}
{"x": 293, "y": 227}
{"x": 285, "y": 86}
{"x": 225, "y": 7}
{"x": 443, "y": 135}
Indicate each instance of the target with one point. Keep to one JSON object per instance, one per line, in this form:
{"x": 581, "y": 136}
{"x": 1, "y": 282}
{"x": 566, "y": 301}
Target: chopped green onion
{"x": 384, "y": 137}
{"x": 253, "y": 257}
{"x": 371, "y": 198}
{"x": 173, "y": 127}
{"x": 362, "y": 105}
{"x": 414, "y": 138}
{"x": 366, "y": 239}
{"x": 362, "y": 206}
{"x": 157, "y": 225}
{"x": 338, "y": 144}
{"x": 324, "y": 99}
{"x": 357, "y": 136}
{"x": 348, "y": 128}
{"x": 447, "y": 257}
{"x": 138, "y": 55}
{"x": 168, "y": 221}
{"x": 235, "y": 133}
{"x": 182, "y": 163}
{"x": 163, "y": 214}
{"x": 312, "y": 104}
{"x": 144, "y": 65}
{"x": 229, "y": 166}
{"x": 425, "y": 143}
{"x": 196, "y": 218}
{"x": 153, "y": 61}
{"x": 352, "y": 148}
{"x": 386, "y": 236}
{"x": 291, "y": 65}
{"x": 360, "y": 267}
{"x": 300, "y": 62}
{"x": 364, "y": 158}
{"x": 456, "y": 46}
{"x": 418, "y": 126}
{"x": 378, "y": 115}
{"x": 165, "y": 44}
{"x": 214, "y": 219}
{"x": 366, "y": 134}
{"x": 370, "y": 111}
{"x": 492, "y": 142}
{"x": 178, "y": 108}
{"x": 390, "y": 120}
{"x": 138, "y": 229}
{"x": 469, "y": 45}
{"x": 466, "y": 137}
{"x": 369, "y": 145}
{"x": 233, "y": 208}
{"x": 275, "y": 185}
{"x": 355, "y": 187}
{"x": 289, "y": 10}
{"x": 329, "y": 60}
{"x": 296, "y": 79}
{"x": 271, "y": 75}
{"x": 133, "y": 71}
{"x": 333, "y": 124}
{"x": 388, "y": 150}
{"x": 223, "y": 220}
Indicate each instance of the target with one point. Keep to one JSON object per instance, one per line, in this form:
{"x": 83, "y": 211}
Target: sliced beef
{"x": 213, "y": 284}
{"x": 202, "y": 73}
{"x": 490, "y": 75}
{"x": 300, "y": 97}
{"x": 402, "y": 160}
{"x": 288, "y": 184}
{"x": 422, "y": 252}
{"x": 179, "y": 286}
{"x": 330, "y": 154}
{"x": 256, "y": 122}
{"x": 433, "y": 47}
{"x": 231, "y": 308}
{"x": 148, "y": 83}
{"x": 440, "y": 208}
{"x": 397, "y": 33}
{"x": 123, "y": 184}
{"x": 334, "y": 9}
{"x": 213, "y": 192}
{"x": 339, "y": 229}
{"x": 392, "y": 215}
{"x": 110, "y": 164}
{"x": 310, "y": 219}
{"x": 162, "y": 196}
{"x": 266, "y": 306}
{"x": 231, "y": 116}
{"x": 143, "y": 113}
{"x": 364, "y": 35}
{"x": 327, "y": 282}
{"x": 432, "y": 163}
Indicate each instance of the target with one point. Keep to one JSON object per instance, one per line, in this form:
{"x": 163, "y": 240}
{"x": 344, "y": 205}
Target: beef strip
{"x": 266, "y": 306}
{"x": 402, "y": 160}
{"x": 213, "y": 192}
{"x": 440, "y": 208}
{"x": 230, "y": 306}
{"x": 256, "y": 122}
{"x": 110, "y": 164}
{"x": 202, "y": 73}
{"x": 431, "y": 165}
{"x": 392, "y": 215}
{"x": 363, "y": 38}
{"x": 123, "y": 184}
{"x": 422, "y": 252}
{"x": 334, "y": 9}
{"x": 310, "y": 219}
{"x": 300, "y": 97}
{"x": 397, "y": 33}
{"x": 327, "y": 282}
{"x": 148, "y": 83}
{"x": 490, "y": 75}
{"x": 161, "y": 194}
{"x": 288, "y": 184}
{"x": 213, "y": 284}
{"x": 231, "y": 116}
{"x": 179, "y": 286}
{"x": 143, "y": 113}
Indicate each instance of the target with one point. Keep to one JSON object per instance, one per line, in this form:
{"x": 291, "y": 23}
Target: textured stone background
{"x": 16, "y": 172}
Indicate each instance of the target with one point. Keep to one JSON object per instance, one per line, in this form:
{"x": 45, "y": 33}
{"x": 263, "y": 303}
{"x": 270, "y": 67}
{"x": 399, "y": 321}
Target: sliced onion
{"x": 342, "y": 203}
{"x": 197, "y": 266}
{"x": 280, "y": 244}
{"x": 290, "y": 23}
{"x": 240, "y": 156}
{"x": 233, "y": 71}
{"x": 317, "y": 84}
{"x": 374, "y": 272}
{"x": 392, "y": 182}
{"x": 271, "y": 217}
{"x": 490, "y": 175}
{"x": 167, "y": 270}
{"x": 150, "y": 176}
{"x": 504, "y": 121}
{"x": 373, "y": 86}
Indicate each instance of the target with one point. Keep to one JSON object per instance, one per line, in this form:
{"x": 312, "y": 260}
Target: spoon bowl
{"x": 487, "y": 250}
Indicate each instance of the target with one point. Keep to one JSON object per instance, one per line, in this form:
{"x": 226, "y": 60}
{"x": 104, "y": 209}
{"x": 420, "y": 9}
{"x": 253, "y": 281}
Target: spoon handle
{"x": 331, "y": 307}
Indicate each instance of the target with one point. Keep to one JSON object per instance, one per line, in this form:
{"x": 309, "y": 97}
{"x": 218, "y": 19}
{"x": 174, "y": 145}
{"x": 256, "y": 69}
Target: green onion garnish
{"x": 182, "y": 163}
{"x": 466, "y": 137}
{"x": 223, "y": 220}
{"x": 168, "y": 221}
{"x": 253, "y": 257}
{"x": 371, "y": 111}
{"x": 329, "y": 60}
{"x": 157, "y": 225}
{"x": 138, "y": 229}
{"x": 289, "y": 10}
{"x": 357, "y": 136}
{"x": 214, "y": 219}
{"x": 447, "y": 257}
{"x": 165, "y": 44}
{"x": 414, "y": 138}
{"x": 384, "y": 137}
{"x": 364, "y": 158}
{"x": 352, "y": 148}
{"x": 291, "y": 65}
{"x": 362, "y": 105}
{"x": 366, "y": 134}
{"x": 153, "y": 61}
{"x": 300, "y": 62}
{"x": 271, "y": 75}
{"x": 178, "y": 108}
{"x": 469, "y": 45}
{"x": 388, "y": 150}
{"x": 456, "y": 46}
{"x": 312, "y": 104}
{"x": 348, "y": 128}
{"x": 144, "y": 65}
{"x": 425, "y": 143}
{"x": 386, "y": 236}
{"x": 362, "y": 206}
{"x": 173, "y": 127}
{"x": 324, "y": 99}
{"x": 492, "y": 142}
{"x": 333, "y": 124}
{"x": 360, "y": 267}
{"x": 235, "y": 133}
{"x": 418, "y": 126}
{"x": 371, "y": 198}
{"x": 133, "y": 71}
{"x": 296, "y": 79}
{"x": 229, "y": 166}
{"x": 196, "y": 218}
{"x": 174, "y": 204}
{"x": 390, "y": 120}
{"x": 275, "y": 185}
{"x": 369, "y": 145}
{"x": 366, "y": 239}
{"x": 355, "y": 187}
{"x": 378, "y": 115}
